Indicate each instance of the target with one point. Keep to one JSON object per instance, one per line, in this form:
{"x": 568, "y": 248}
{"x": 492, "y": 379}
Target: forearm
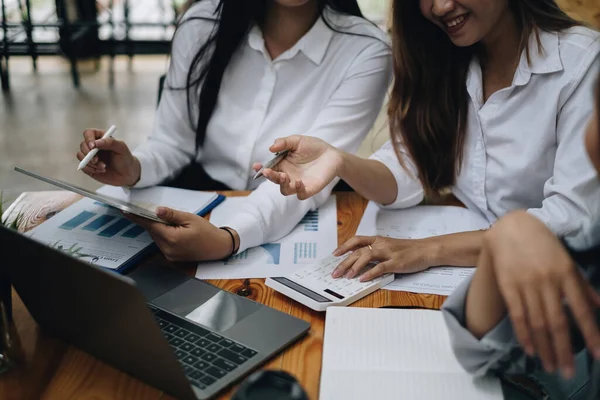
{"x": 265, "y": 216}
{"x": 370, "y": 178}
{"x": 484, "y": 306}
{"x": 458, "y": 249}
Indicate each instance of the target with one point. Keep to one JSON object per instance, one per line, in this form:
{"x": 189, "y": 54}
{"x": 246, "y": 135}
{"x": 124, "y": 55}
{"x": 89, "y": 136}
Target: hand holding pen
{"x": 112, "y": 163}
{"x": 310, "y": 164}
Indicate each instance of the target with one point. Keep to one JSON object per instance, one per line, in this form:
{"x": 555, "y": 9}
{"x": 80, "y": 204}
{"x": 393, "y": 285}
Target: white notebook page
{"x": 394, "y": 354}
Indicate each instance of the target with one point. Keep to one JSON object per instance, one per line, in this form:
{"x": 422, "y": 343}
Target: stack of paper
{"x": 417, "y": 223}
{"x": 394, "y": 354}
{"x": 99, "y": 234}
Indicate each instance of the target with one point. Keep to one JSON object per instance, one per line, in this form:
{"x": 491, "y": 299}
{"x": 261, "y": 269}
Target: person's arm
{"x": 172, "y": 144}
{"x": 370, "y": 178}
{"x": 344, "y": 122}
{"x": 572, "y": 194}
{"x": 523, "y": 301}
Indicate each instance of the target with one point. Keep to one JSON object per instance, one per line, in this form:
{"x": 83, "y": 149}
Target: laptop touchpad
{"x": 206, "y": 305}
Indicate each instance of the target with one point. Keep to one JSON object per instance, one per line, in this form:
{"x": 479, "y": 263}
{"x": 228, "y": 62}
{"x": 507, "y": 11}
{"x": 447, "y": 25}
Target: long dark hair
{"x": 429, "y": 101}
{"x": 233, "y": 19}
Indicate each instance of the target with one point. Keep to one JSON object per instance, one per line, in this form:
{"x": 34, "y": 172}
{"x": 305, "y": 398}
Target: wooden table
{"x": 51, "y": 369}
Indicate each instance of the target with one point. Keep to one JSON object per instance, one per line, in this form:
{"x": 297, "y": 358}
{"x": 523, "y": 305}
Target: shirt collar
{"x": 542, "y": 60}
{"x": 313, "y": 44}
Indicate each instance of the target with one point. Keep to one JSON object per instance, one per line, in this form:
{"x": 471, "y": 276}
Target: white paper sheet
{"x": 417, "y": 223}
{"x": 313, "y": 238}
{"x": 394, "y": 354}
{"x": 101, "y": 234}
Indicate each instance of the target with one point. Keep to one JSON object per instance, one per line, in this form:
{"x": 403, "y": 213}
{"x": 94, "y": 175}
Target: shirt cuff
{"x": 476, "y": 356}
{"x": 410, "y": 190}
{"x": 249, "y": 230}
{"x": 148, "y": 175}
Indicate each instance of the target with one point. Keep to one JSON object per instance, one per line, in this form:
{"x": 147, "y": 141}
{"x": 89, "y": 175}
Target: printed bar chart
{"x": 74, "y": 222}
{"x": 311, "y": 221}
{"x": 133, "y": 232}
{"x": 99, "y": 222}
{"x": 115, "y": 228}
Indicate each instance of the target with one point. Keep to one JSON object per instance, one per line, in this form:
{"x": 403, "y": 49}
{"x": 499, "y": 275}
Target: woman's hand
{"x": 537, "y": 278}
{"x": 310, "y": 165}
{"x": 114, "y": 164}
{"x": 188, "y": 238}
{"x": 393, "y": 255}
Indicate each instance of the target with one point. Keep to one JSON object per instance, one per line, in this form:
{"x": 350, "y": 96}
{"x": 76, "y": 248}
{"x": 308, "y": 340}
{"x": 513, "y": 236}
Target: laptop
{"x": 178, "y": 334}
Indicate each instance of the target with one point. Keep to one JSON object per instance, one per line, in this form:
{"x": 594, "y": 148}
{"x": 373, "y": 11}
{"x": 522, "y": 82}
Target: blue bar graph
{"x": 76, "y": 221}
{"x": 99, "y": 222}
{"x": 115, "y": 228}
{"x": 133, "y": 232}
{"x": 311, "y": 221}
{"x": 241, "y": 256}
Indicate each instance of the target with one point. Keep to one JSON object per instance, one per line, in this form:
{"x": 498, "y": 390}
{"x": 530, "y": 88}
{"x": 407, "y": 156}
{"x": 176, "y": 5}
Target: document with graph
{"x": 313, "y": 238}
{"x": 99, "y": 234}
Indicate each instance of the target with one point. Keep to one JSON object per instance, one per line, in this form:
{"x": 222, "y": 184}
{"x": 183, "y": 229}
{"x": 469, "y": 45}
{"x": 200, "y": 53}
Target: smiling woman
{"x": 490, "y": 100}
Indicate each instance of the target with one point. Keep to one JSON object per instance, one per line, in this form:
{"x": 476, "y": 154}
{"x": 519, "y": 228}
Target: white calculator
{"x": 314, "y": 287}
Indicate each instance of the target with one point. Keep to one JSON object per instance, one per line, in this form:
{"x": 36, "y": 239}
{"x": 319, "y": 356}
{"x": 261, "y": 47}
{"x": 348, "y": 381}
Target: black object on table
{"x": 270, "y": 385}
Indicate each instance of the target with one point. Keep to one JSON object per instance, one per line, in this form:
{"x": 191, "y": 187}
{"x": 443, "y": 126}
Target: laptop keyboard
{"x": 205, "y": 356}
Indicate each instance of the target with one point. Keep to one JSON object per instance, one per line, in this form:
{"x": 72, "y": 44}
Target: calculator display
{"x": 301, "y": 289}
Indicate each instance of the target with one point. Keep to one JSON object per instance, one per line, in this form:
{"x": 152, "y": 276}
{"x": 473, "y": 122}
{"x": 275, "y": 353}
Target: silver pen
{"x": 271, "y": 163}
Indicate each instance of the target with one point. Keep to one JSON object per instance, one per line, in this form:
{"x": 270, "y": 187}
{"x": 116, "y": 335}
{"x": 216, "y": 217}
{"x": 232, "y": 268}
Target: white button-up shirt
{"x": 524, "y": 147}
{"x": 329, "y": 84}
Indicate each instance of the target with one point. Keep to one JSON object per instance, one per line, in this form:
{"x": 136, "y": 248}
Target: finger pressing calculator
{"x": 314, "y": 287}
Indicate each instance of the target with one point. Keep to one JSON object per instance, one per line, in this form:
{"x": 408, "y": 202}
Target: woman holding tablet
{"x": 490, "y": 99}
{"x": 242, "y": 73}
